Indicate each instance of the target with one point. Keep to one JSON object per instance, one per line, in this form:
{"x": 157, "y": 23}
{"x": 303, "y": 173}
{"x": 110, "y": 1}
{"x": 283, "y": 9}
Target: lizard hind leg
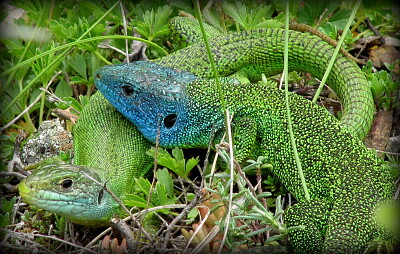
{"x": 312, "y": 217}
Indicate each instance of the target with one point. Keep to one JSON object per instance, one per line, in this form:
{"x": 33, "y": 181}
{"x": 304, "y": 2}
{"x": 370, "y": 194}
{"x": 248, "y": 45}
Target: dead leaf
{"x": 379, "y": 135}
{"x": 383, "y": 54}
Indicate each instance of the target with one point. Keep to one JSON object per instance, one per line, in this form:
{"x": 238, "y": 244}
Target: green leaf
{"x": 340, "y": 18}
{"x": 163, "y": 158}
{"x": 178, "y": 154}
{"x": 7, "y": 206}
{"x": 261, "y": 13}
{"x": 260, "y": 231}
{"x": 143, "y": 184}
{"x": 165, "y": 179}
{"x": 134, "y": 200}
{"x": 237, "y": 12}
{"x": 250, "y": 16}
{"x": 63, "y": 29}
{"x": 70, "y": 102}
{"x": 60, "y": 225}
{"x": 190, "y": 196}
{"x": 4, "y": 220}
{"x": 34, "y": 9}
{"x": 160, "y": 195}
{"x": 270, "y": 23}
{"x": 63, "y": 89}
{"x": 78, "y": 63}
{"x": 78, "y": 80}
{"x": 275, "y": 238}
{"x": 93, "y": 64}
{"x": 193, "y": 214}
{"x": 45, "y": 62}
{"x": 190, "y": 164}
{"x": 154, "y": 24}
{"x": 393, "y": 86}
{"x": 377, "y": 87}
{"x": 84, "y": 101}
{"x": 329, "y": 29}
{"x": 315, "y": 12}
{"x": 176, "y": 163}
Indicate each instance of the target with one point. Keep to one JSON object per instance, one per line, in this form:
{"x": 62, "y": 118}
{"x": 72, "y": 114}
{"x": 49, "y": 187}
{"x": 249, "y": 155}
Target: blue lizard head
{"x": 155, "y": 99}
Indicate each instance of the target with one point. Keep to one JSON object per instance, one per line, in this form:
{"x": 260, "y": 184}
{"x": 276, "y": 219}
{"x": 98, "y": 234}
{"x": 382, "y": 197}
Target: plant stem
{"x": 285, "y": 74}
{"x": 101, "y": 57}
{"x": 336, "y": 51}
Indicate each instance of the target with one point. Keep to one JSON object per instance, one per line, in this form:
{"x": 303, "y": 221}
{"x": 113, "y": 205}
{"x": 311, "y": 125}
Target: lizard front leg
{"x": 312, "y": 215}
{"x": 244, "y": 138}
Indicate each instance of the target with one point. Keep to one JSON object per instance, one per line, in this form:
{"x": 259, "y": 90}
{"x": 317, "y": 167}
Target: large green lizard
{"x": 256, "y": 52}
{"x": 348, "y": 184}
{"x": 253, "y": 53}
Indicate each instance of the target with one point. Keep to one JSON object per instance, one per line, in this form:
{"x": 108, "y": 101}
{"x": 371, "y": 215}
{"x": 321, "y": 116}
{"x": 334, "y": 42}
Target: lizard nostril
{"x": 170, "y": 120}
{"x": 98, "y": 75}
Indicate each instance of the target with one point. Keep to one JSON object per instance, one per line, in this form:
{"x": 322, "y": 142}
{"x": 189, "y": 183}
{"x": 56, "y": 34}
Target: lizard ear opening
{"x": 170, "y": 120}
{"x": 100, "y": 197}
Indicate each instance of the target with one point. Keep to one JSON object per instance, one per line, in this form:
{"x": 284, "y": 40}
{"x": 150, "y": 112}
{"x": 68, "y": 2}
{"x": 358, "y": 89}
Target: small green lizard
{"x": 113, "y": 152}
{"x": 348, "y": 184}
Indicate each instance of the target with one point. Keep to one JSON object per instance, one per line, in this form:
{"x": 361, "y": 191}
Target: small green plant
{"x": 6, "y": 152}
{"x": 247, "y": 210}
{"x": 251, "y": 18}
{"x": 176, "y": 163}
{"x": 153, "y": 25}
{"x": 70, "y": 102}
{"x": 274, "y": 185}
{"x": 385, "y": 91}
{"x": 268, "y": 220}
{"x": 6, "y": 211}
{"x": 319, "y": 13}
{"x": 37, "y": 219}
{"x": 162, "y": 194}
{"x": 60, "y": 225}
{"x": 393, "y": 164}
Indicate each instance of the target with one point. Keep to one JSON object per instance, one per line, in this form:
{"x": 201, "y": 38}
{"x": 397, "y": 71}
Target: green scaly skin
{"x": 257, "y": 52}
{"x": 113, "y": 152}
{"x": 348, "y": 184}
{"x": 104, "y": 141}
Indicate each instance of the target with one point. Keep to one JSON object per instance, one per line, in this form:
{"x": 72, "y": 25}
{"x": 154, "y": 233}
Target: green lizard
{"x": 252, "y": 53}
{"x": 103, "y": 142}
{"x": 347, "y": 182}
{"x": 234, "y": 52}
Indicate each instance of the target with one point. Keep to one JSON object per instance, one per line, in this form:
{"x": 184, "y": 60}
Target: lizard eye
{"x": 170, "y": 120}
{"x": 66, "y": 183}
{"x": 127, "y": 90}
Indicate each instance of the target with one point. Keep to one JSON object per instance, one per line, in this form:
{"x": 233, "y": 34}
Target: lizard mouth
{"x": 49, "y": 200}
{"x": 24, "y": 191}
